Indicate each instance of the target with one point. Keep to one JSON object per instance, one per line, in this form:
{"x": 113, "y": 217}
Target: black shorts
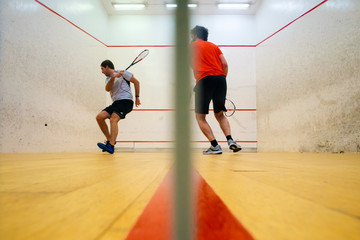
{"x": 210, "y": 88}
{"x": 120, "y": 107}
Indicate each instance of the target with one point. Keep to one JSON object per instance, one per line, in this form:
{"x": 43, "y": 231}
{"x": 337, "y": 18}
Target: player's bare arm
{"x": 224, "y": 64}
{"x": 110, "y": 84}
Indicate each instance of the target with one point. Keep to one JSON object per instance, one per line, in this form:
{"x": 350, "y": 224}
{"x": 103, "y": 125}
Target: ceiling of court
{"x": 204, "y": 7}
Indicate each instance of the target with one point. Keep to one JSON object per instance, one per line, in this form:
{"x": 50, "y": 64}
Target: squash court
{"x": 293, "y": 76}
{"x": 98, "y": 196}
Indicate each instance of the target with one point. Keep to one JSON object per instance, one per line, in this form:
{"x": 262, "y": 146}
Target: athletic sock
{"x": 214, "y": 143}
{"x": 229, "y": 137}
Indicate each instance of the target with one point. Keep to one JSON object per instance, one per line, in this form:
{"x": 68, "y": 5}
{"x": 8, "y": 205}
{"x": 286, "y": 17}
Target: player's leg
{"x": 219, "y": 98}
{"x": 203, "y": 95}
{"x": 204, "y": 126}
{"x": 100, "y": 118}
{"x": 119, "y": 109}
{"x": 225, "y": 127}
{"x": 219, "y": 108}
{"x": 207, "y": 131}
{"x": 114, "y": 120}
{"x": 223, "y": 122}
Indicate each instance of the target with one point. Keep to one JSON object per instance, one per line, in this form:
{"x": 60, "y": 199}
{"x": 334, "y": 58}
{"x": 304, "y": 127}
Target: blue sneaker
{"x": 106, "y": 147}
{"x": 107, "y": 143}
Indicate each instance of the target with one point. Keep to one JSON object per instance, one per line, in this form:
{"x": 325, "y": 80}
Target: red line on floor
{"x": 155, "y": 222}
{"x": 212, "y": 219}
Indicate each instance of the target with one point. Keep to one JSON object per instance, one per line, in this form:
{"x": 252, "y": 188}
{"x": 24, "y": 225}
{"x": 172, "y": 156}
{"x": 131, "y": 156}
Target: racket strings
{"x": 141, "y": 56}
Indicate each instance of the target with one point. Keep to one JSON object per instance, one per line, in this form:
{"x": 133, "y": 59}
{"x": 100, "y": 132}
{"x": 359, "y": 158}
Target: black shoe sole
{"x": 235, "y": 149}
{"x": 105, "y": 148}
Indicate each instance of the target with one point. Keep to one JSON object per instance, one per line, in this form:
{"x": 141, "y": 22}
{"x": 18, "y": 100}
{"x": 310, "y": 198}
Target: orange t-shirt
{"x": 206, "y": 59}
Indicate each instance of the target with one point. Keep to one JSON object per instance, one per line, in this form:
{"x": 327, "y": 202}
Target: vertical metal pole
{"x": 183, "y": 217}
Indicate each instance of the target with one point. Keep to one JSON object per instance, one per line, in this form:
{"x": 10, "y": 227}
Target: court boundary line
{"x": 171, "y": 109}
{"x": 207, "y": 207}
{"x": 59, "y": 15}
{"x": 287, "y": 25}
{"x": 165, "y": 46}
{"x": 171, "y": 141}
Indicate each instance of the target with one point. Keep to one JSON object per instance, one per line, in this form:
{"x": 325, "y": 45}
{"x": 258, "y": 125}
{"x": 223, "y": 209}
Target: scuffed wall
{"x": 51, "y": 83}
{"x": 52, "y": 87}
{"x": 308, "y": 83}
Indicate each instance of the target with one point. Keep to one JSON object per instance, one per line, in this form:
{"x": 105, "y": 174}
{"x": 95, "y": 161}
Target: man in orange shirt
{"x": 210, "y": 69}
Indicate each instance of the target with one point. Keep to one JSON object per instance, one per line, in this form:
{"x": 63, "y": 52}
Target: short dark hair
{"x": 200, "y": 32}
{"x": 107, "y": 63}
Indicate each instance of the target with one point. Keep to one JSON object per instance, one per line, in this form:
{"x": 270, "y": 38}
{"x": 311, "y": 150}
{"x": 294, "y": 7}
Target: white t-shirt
{"x": 121, "y": 88}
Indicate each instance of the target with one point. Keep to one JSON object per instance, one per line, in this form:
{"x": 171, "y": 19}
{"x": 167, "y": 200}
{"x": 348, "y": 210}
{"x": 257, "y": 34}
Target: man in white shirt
{"x": 117, "y": 83}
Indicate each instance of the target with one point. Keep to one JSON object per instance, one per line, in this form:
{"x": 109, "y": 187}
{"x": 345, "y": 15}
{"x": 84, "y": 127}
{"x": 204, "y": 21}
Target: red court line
{"x": 155, "y": 222}
{"x": 135, "y": 141}
{"x": 147, "y": 46}
{"x": 150, "y": 141}
{"x": 226, "y": 141}
{"x": 292, "y": 22}
{"x": 212, "y": 219}
{"x": 170, "y": 109}
{"x": 69, "y": 22}
{"x": 153, "y": 110}
{"x": 155, "y": 46}
{"x": 160, "y": 46}
{"x": 237, "y": 46}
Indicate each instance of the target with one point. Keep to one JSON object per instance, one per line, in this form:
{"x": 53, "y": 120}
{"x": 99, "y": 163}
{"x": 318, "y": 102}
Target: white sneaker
{"x": 213, "y": 150}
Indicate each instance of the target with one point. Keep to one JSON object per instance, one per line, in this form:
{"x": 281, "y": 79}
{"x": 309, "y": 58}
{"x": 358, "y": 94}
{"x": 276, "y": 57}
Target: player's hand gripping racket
{"x": 230, "y": 107}
{"x": 140, "y": 57}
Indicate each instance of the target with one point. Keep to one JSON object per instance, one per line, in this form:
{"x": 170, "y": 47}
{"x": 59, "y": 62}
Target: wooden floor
{"x": 99, "y": 196}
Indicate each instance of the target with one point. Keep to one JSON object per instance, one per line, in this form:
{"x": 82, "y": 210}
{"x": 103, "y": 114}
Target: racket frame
{"x": 233, "y": 109}
{"x": 138, "y": 59}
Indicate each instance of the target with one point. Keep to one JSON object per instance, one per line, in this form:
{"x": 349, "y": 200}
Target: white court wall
{"x": 157, "y": 81}
{"x": 304, "y": 81}
{"x": 160, "y": 30}
{"x": 49, "y": 75}
{"x": 89, "y": 15}
{"x": 275, "y": 14}
{"x": 156, "y": 74}
{"x": 308, "y": 80}
{"x": 228, "y": 29}
{"x": 68, "y": 101}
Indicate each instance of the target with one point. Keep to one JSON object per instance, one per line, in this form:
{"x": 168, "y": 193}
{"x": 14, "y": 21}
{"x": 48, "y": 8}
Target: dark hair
{"x": 200, "y": 32}
{"x": 107, "y": 63}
